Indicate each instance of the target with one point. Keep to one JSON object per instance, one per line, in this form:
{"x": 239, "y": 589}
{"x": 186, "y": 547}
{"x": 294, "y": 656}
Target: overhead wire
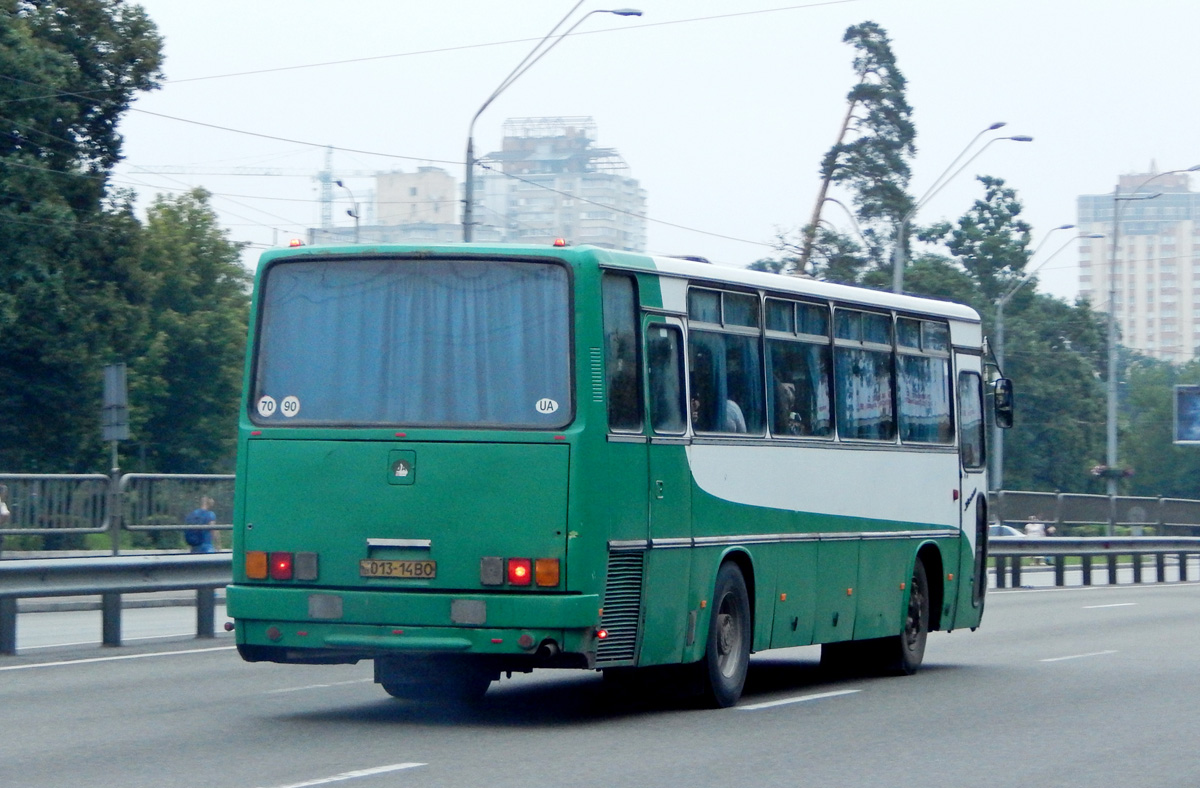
{"x": 278, "y": 138}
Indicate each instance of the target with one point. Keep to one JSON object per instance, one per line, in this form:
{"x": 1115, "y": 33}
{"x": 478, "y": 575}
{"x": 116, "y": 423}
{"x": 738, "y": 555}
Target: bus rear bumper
{"x": 301, "y": 625}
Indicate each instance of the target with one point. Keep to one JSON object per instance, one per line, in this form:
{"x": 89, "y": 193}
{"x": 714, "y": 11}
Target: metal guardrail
{"x": 1009, "y": 550}
{"x": 109, "y": 577}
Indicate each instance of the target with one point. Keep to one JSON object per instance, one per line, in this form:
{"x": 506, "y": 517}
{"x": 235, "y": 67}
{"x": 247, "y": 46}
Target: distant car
{"x": 997, "y": 529}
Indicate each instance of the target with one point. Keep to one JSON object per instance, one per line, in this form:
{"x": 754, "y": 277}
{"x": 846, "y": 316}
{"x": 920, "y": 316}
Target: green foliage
{"x": 874, "y": 164}
{"x": 68, "y": 264}
{"x": 936, "y": 276}
{"x": 768, "y": 265}
{"x": 1160, "y": 467}
{"x": 187, "y": 380}
{"x": 1054, "y": 354}
{"x": 82, "y": 282}
{"x": 837, "y": 257}
{"x": 870, "y": 158}
{"x": 991, "y": 241}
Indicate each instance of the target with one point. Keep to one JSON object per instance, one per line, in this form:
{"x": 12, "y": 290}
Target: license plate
{"x": 404, "y": 570}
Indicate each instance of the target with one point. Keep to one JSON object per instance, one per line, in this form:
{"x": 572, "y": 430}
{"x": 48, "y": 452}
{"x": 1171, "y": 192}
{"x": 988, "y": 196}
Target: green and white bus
{"x": 465, "y": 460}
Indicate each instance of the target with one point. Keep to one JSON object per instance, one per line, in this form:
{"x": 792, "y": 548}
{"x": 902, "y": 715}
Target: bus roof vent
{"x": 692, "y": 257}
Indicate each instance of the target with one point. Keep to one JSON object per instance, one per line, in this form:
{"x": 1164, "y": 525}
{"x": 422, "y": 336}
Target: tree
{"x": 186, "y": 382}
{"x": 874, "y": 163}
{"x": 1054, "y": 354}
{"x": 991, "y": 241}
{"x": 68, "y": 264}
{"x": 1159, "y": 466}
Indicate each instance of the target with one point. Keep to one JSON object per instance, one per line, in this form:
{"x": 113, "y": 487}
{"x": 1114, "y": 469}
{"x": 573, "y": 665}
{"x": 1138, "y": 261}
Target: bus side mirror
{"x": 1004, "y": 403}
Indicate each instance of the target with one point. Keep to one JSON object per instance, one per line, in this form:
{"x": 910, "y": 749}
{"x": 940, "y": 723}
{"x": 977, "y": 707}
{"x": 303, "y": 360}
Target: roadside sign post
{"x": 114, "y": 421}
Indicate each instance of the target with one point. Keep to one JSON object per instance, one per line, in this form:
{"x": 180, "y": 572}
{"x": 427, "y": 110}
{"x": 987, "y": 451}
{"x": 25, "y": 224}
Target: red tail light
{"x": 281, "y": 566}
{"x": 520, "y": 571}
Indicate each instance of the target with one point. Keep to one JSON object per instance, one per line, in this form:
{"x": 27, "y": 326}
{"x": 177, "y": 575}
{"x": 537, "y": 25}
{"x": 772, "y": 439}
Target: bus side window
{"x": 970, "y": 420}
{"x": 621, "y": 368}
{"x": 664, "y": 373}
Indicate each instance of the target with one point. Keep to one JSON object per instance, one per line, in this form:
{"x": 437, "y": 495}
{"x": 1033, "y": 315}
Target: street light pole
{"x": 535, "y": 54}
{"x": 1001, "y": 302}
{"x": 352, "y": 213}
{"x": 898, "y": 255}
{"x": 1110, "y": 460}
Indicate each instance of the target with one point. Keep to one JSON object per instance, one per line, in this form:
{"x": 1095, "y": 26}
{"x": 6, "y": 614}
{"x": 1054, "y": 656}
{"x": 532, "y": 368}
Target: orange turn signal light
{"x": 256, "y": 565}
{"x": 546, "y": 571}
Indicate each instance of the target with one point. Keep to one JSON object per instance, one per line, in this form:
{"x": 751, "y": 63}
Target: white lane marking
{"x": 97, "y": 642}
{"x": 1078, "y": 656}
{"x": 114, "y": 659}
{"x": 395, "y": 767}
{"x": 1121, "y": 604}
{"x": 316, "y": 686}
{"x": 799, "y": 699}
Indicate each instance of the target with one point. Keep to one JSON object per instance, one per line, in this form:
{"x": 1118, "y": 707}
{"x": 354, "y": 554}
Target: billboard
{"x": 1187, "y": 415}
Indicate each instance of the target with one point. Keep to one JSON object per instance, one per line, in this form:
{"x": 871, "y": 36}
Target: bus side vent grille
{"x": 622, "y": 609}
{"x": 597, "y": 375}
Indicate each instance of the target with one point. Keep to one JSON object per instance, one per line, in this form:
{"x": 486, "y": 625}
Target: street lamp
{"x": 354, "y": 212}
{"x": 535, "y": 54}
{"x": 850, "y": 216}
{"x": 938, "y": 185}
{"x": 1001, "y": 302}
{"x": 1111, "y": 471}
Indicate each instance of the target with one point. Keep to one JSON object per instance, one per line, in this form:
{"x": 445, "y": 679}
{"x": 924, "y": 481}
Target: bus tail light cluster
{"x": 261, "y": 565}
{"x": 543, "y": 572}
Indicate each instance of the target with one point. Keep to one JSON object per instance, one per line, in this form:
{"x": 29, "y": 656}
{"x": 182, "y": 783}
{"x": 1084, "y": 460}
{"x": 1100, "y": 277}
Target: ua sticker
{"x": 266, "y": 407}
{"x": 290, "y": 406}
{"x": 546, "y": 405}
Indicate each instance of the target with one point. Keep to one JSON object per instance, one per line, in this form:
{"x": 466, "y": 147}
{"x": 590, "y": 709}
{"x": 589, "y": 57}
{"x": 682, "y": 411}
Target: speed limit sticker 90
{"x": 290, "y": 406}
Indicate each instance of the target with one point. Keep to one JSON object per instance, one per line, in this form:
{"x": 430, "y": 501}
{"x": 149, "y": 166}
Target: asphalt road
{"x": 1077, "y": 687}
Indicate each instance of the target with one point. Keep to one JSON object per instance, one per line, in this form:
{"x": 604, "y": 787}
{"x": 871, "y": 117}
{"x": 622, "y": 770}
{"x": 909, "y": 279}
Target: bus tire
{"x": 727, "y": 655}
{"x": 425, "y": 680}
{"x": 904, "y": 653}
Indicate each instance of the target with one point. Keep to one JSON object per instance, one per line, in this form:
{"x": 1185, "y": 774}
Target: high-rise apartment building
{"x": 1154, "y": 285}
{"x": 549, "y": 180}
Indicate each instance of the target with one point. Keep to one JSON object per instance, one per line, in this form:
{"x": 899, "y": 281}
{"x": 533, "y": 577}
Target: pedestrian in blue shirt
{"x": 201, "y": 540}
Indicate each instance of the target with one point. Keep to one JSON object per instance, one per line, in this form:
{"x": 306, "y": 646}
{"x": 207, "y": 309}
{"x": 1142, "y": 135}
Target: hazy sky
{"x": 722, "y": 109}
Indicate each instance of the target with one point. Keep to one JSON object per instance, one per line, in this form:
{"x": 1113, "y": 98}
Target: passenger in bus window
{"x": 787, "y": 420}
{"x": 734, "y": 420}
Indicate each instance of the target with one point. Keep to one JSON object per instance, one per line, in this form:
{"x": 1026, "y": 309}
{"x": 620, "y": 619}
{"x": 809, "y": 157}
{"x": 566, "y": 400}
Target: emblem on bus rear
{"x": 402, "y": 466}
{"x": 545, "y": 406}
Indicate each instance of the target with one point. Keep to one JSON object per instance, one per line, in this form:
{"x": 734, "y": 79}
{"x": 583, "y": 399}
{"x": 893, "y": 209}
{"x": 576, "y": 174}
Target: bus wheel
{"x": 727, "y": 656}
{"x": 421, "y": 679}
{"x": 906, "y": 651}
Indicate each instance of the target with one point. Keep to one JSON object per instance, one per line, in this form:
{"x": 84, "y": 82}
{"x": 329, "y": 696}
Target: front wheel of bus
{"x": 908, "y": 649}
{"x": 727, "y": 657}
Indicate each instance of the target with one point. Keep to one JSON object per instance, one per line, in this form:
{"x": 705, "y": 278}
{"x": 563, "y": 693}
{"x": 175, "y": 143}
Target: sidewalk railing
{"x": 1164, "y": 515}
{"x": 60, "y": 508}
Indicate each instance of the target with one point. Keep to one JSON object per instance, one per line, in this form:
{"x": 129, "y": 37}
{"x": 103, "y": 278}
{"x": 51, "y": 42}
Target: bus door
{"x": 973, "y": 482}
{"x": 669, "y": 519}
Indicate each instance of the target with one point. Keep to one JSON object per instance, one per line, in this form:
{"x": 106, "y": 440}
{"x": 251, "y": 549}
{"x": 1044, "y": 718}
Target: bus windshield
{"x": 386, "y": 341}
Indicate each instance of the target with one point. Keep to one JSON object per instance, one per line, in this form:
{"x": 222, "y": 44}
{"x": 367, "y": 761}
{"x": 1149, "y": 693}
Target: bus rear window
{"x": 455, "y": 343}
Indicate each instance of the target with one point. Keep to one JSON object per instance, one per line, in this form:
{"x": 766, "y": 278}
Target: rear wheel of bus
{"x": 898, "y": 655}
{"x": 433, "y": 679}
{"x": 727, "y": 656}
{"x": 904, "y": 653}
